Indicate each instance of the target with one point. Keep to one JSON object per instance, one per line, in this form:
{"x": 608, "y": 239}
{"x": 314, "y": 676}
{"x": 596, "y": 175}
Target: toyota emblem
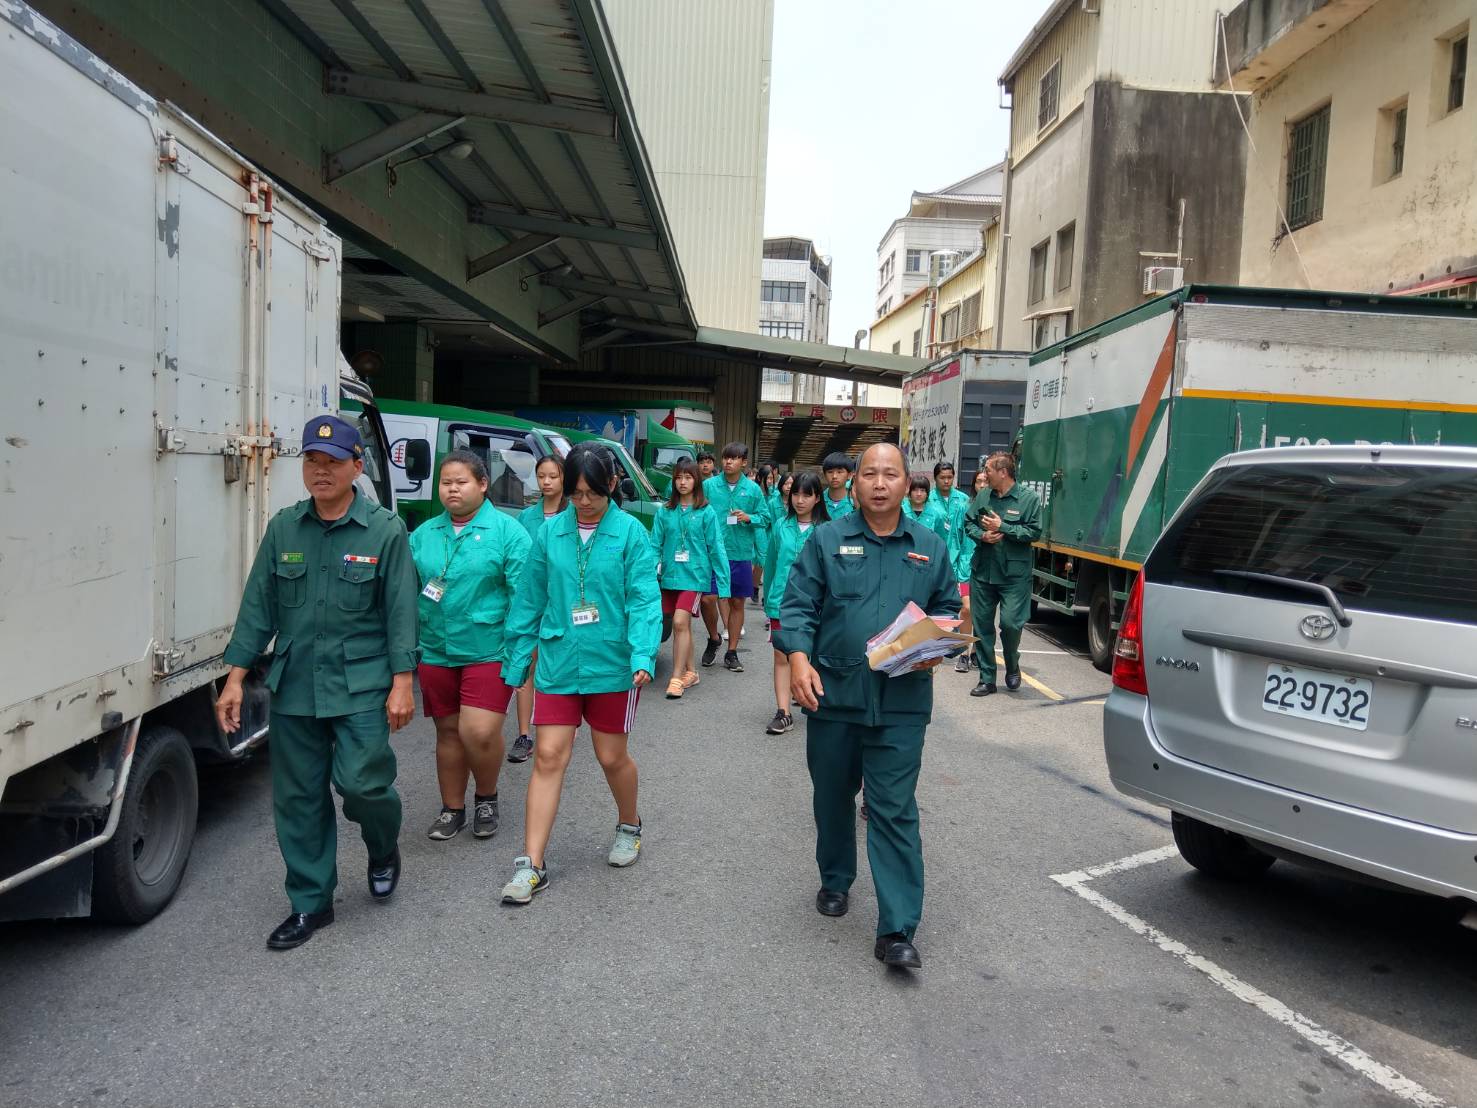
{"x": 1317, "y": 627}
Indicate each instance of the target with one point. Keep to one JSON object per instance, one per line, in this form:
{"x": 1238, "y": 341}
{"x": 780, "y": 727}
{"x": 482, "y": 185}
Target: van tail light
{"x": 1128, "y": 655}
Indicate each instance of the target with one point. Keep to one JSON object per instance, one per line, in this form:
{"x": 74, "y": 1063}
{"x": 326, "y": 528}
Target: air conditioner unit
{"x": 1159, "y": 279}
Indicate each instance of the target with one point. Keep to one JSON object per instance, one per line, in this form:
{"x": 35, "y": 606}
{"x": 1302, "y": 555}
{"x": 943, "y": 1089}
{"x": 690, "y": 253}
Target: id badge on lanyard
{"x": 682, "y": 556}
{"x": 435, "y": 589}
{"x": 583, "y": 614}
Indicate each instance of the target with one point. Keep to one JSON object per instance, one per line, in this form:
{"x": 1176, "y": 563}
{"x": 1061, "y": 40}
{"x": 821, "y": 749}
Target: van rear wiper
{"x": 1324, "y": 591}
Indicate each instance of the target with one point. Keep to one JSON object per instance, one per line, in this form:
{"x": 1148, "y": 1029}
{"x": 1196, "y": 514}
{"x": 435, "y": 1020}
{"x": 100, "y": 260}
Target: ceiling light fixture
{"x": 457, "y": 151}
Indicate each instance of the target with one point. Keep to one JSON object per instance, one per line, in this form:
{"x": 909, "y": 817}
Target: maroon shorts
{"x": 445, "y": 689}
{"x": 685, "y": 599}
{"x": 964, "y": 589}
{"x": 611, "y": 712}
{"x": 774, "y": 625}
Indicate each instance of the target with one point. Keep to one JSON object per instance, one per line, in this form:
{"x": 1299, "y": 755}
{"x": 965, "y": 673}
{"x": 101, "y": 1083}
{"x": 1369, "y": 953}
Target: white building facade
{"x": 794, "y": 303}
{"x": 951, "y": 221}
{"x": 699, "y": 80}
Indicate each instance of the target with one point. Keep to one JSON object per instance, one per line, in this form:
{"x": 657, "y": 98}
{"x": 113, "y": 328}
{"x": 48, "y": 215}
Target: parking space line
{"x": 1387, "y": 1078}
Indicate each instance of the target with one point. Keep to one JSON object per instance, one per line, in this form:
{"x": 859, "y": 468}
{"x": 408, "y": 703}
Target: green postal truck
{"x": 1124, "y": 418}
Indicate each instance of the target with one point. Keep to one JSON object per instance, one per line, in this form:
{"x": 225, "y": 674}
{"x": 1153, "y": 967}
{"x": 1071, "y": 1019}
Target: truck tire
{"x": 1223, "y": 855}
{"x": 135, "y": 874}
{"x": 1100, "y": 635}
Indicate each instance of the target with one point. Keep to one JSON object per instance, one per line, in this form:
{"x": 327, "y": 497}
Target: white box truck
{"x": 961, "y": 409}
{"x": 168, "y": 321}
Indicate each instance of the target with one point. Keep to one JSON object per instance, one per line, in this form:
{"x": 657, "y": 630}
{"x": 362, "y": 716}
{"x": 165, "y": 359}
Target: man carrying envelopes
{"x": 851, "y": 580}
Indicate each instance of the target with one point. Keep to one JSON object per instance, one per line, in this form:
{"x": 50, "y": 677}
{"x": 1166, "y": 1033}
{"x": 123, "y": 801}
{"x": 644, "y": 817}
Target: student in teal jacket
{"x": 740, "y": 507}
{"x": 469, "y": 560}
{"x": 917, "y": 506}
{"x": 548, "y": 471}
{"x": 589, "y": 601}
{"x": 790, "y": 534}
{"x": 690, "y": 557}
{"x": 837, "y": 502}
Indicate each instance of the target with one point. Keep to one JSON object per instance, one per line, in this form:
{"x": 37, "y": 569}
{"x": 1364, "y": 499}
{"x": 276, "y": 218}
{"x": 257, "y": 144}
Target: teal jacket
{"x": 784, "y": 547}
{"x": 961, "y": 548}
{"x": 480, "y": 569}
{"x": 837, "y": 509}
{"x": 698, "y": 533}
{"x": 532, "y": 517}
{"x": 931, "y": 518}
{"x": 740, "y": 540}
{"x": 620, "y": 582}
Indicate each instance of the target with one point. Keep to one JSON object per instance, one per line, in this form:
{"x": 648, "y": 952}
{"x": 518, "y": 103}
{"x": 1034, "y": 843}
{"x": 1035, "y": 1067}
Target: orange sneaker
{"x": 675, "y": 689}
{"x": 690, "y": 678}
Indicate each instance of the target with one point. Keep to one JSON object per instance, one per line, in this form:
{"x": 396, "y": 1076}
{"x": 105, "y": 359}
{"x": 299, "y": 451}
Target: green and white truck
{"x": 1125, "y": 417}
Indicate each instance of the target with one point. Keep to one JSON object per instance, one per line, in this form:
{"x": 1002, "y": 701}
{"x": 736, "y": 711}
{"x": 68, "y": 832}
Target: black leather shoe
{"x": 384, "y": 876}
{"x": 829, "y": 903}
{"x": 1012, "y": 680}
{"x": 298, "y": 928}
{"x": 896, "y": 950}
{"x": 984, "y": 688}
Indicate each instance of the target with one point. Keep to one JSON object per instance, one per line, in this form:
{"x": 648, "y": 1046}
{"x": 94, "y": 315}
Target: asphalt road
{"x": 704, "y": 976}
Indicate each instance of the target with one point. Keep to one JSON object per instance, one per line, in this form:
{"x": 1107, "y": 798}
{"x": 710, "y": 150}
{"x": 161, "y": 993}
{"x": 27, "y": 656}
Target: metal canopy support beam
{"x": 791, "y": 365}
{"x": 620, "y": 292}
{"x": 568, "y": 308}
{"x": 605, "y": 339}
{"x": 648, "y": 327}
{"x": 463, "y": 102}
{"x": 564, "y": 228}
{"x": 398, "y": 136}
{"x": 509, "y": 252}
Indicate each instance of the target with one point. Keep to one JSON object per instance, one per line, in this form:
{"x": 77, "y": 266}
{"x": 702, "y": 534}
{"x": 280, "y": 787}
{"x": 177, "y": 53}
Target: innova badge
{"x": 1317, "y": 627}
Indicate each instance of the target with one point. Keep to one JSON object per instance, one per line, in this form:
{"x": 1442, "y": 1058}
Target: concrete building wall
{"x": 978, "y": 278}
{"x": 898, "y": 327}
{"x": 699, "y": 80}
{"x": 1048, "y": 191}
{"x": 1379, "y": 231}
{"x": 1198, "y": 155}
{"x": 927, "y": 235}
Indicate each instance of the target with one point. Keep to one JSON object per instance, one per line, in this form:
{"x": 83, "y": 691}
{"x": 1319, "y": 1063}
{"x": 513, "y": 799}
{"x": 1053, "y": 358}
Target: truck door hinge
{"x": 166, "y": 660}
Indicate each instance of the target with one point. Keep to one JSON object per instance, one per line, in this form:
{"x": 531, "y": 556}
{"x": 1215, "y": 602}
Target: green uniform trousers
{"x": 841, "y": 756}
{"x": 354, "y": 752}
{"x": 1014, "y": 601}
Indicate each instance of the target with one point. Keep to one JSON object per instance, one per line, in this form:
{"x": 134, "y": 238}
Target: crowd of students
{"x": 565, "y": 614}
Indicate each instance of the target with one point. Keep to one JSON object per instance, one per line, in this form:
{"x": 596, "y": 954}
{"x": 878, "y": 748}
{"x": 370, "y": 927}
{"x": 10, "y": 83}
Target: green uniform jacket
{"x": 740, "y": 540}
{"x": 846, "y": 585}
{"x": 1008, "y": 560}
{"x": 620, "y": 580}
{"x": 340, "y": 599}
{"x": 697, "y": 532}
{"x": 533, "y": 518}
{"x": 933, "y": 519}
{"x": 480, "y": 569}
{"x": 837, "y": 509}
{"x": 961, "y": 548}
{"x": 784, "y": 548}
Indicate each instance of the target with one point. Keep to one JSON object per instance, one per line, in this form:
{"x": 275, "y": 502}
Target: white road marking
{"x": 1391, "y": 1080}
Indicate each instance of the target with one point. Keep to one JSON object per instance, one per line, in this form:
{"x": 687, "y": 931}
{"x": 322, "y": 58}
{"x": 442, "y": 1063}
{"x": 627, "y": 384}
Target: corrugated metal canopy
{"x": 868, "y": 366}
{"x": 556, "y": 163}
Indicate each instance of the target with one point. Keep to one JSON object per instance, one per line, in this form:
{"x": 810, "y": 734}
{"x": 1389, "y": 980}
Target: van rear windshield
{"x": 1394, "y": 539}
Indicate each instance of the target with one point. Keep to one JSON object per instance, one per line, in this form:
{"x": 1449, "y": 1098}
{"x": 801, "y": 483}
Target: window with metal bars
{"x": 1049, "y": 96}
{"x": 1307, "y": 164}
{"x": 1397, "y": 145}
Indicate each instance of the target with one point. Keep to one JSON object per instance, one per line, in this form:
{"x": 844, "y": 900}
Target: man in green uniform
{"x": 333, "y": 581}
{"x": 848, "y": 583}
{"x": 1003, "y": 522}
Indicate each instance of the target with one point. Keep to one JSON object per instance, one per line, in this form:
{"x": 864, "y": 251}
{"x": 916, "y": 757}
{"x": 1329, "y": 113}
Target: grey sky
{"x": 869, "y": 100}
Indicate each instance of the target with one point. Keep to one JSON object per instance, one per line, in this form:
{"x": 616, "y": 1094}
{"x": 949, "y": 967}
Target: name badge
{"x": 682, "y": 556}
{"x": 435, "y": 589}
{"x": 583, "y": 614}
{"x": 732, "y": 518}
{"x": 852, "y": 550}
{"x": 360, "y": 560}
{"x": 1012, "y": 511}
{"x": 292, "y": 557}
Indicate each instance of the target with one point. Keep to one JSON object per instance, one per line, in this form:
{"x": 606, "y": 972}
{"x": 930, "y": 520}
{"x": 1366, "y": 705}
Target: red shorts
{"x": 614, "y": 713}
{"x": 685, "y": 599}
{"x": 964, "y": 589}
{"x": 444, "y": 689}
{"x": 774, "y": 625}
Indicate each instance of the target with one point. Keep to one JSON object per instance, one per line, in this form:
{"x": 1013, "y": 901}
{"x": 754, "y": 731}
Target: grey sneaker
{"x": 731, "y": 662}
{"x": 484, "y": 817}
{"x": 627, "y": 844}
{"x": 447, "y": 824}
{"x": 522, "y": 748}
{"x": 961, "y": 664}
{"x": 527, "y": 880}
{"x": 781, "y": 723}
